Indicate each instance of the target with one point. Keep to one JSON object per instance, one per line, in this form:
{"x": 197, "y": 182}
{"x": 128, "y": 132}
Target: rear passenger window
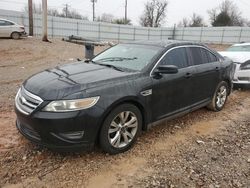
{"x": 196, "y": 55}
{"x": 202, "y": 56}
{"x": 205, "y": 56}
{"x": 2, "y": 22}
{"x": 5, "y": 23}
{"x": 213, "y": 58}
{"x": 177, "y": 57}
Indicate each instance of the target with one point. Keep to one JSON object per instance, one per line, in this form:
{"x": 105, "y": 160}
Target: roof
{"x": 164, "y": 43}
{"x": 7, "y": 20}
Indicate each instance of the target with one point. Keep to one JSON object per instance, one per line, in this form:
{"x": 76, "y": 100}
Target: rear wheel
{"x": 120, "y": 129}
{"x": 15, "y": 35}
{"x": 220, "y": 97}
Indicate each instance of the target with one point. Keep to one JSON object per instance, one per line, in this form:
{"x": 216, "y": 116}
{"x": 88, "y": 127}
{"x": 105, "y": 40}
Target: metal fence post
{"x": 183, "y": 31}
{"x": 173, "y": 34}
{"x": 134, "y": 32}
{"x": 222, "y": 37}
{"x": 161, "y": 34}
{"x": 22, "y": 19}
{"x": 240, "y": 34}
{"x": 119, "y": 30}
{"x": 99, "y": 31}
{"x": 52, "y": 27}
{"x": 148, "y": 33}
{"x": 77, "y": 28}
{"x": 201, "y": 34}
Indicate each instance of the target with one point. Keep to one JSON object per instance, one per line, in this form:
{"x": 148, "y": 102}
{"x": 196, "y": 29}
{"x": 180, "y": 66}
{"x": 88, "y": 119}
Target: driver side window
{"x": 177, "y": 57}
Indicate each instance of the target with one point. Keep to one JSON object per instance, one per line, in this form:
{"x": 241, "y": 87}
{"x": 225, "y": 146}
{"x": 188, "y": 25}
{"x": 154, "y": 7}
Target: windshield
{"x": 128, "y": 56}
{"x": 245, "y": 48}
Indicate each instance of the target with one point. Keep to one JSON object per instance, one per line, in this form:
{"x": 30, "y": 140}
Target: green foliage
{"x": 223, "y": 19}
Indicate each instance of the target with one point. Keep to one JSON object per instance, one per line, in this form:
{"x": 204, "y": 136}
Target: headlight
{"x": 71, "y": 105}
{"x": 245, "y": 66}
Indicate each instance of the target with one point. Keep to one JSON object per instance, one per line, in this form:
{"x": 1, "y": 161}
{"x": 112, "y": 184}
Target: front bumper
{"x": 241, "y": 77}
{"x": 71, "y": 131}
{"x": 23, "y": 34}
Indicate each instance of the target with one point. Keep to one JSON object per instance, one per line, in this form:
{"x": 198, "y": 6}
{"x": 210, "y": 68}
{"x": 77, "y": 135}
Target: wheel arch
{"x": 128, "y": 100}
{"x": 14, "y": 32}
{"x": 229, "y": 83}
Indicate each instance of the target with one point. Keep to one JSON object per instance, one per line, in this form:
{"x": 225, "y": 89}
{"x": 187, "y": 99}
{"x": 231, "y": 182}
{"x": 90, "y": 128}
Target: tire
{"x": 15, "y": 35}
{"x": 120, "y": 129}
{"x": 220, "y": 97}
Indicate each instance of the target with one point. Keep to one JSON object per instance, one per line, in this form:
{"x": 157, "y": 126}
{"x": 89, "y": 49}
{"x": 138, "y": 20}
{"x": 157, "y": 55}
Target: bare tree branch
{"x": 154, "y": 13}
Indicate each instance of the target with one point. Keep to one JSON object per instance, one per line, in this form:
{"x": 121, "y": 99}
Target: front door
{"x": 171, "y": 92}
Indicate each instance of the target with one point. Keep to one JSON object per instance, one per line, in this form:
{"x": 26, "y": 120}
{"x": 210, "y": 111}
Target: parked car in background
{"x": 240, "y": 55}
{"x": 11, "y": 29}
{"x": 127, "y": 88}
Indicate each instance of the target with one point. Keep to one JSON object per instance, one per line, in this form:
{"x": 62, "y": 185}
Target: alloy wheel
{"x": 123, "y": 129}
{"x": 221, "y": 96}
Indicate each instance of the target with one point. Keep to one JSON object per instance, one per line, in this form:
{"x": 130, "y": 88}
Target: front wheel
{"x": 15, "y": 35}
{"x": 120, "y": 129}
{"x": 220, "y": 97}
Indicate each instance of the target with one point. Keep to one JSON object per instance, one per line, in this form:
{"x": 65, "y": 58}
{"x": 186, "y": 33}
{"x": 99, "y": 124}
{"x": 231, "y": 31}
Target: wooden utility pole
{"x": 45, "y": 29}
{"x": 30, "y": 5}
{"x": 126, "y": 11}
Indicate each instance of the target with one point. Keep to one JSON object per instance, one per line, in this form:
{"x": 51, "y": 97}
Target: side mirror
{"x": 167, "y": 69}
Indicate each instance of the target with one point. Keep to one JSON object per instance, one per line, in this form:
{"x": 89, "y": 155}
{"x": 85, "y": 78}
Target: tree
{"x": 105, "y": 18}
{"x": 53, "y": 12}
{"x": 72, "y": 14}
{"x": 227, "y": 14}
{"x": 154, "y": 13}
{"x": 122, "y": 21}
{"x": 184, "y": 23}
{"x": 196, "y": 21}
{"x": 37, "y": 9}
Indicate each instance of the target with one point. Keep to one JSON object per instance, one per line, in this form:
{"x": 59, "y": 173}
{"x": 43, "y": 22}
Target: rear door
{"x": 5, "y": 28}
{"x": 172, "y": 92}
{"x": 207, "y": 74}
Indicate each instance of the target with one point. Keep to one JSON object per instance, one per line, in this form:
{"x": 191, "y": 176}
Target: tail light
{"x": 22, "y": 28}
{"x": 245, "y": 66}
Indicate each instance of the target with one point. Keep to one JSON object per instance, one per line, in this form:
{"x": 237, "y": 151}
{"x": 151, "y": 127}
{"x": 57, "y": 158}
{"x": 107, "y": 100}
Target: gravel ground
{"x": 201, "y": 149}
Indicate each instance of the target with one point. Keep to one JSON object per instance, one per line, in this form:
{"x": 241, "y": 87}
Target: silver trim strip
{"x": 31, "y": 95}
{"x": 184, "y": 46}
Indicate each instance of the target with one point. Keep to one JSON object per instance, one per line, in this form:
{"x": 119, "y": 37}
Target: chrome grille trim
{"x": 26, "y": 102}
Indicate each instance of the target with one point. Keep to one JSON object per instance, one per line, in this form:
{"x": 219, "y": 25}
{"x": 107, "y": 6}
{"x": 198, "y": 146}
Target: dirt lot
{"x": 201, "y": 149}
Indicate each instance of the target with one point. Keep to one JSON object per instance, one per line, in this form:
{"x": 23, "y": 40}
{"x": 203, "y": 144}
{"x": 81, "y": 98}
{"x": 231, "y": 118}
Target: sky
{"x": 176, "y": 11}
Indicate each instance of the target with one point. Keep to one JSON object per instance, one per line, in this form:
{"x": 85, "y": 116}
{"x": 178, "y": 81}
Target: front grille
{"x": 27, "y": 102}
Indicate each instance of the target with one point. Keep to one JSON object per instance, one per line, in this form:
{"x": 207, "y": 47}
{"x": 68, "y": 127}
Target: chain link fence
{"x": 61, "y": 27}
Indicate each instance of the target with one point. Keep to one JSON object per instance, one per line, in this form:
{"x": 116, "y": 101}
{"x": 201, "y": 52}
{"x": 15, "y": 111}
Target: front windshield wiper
{"x": 89, "y": 61}
{"x": 110, "y": 66}
{"x": 116, "y": 59}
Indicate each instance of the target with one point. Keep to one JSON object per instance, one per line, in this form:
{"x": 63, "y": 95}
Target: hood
{"x": 237, "y": 57}
{"x": 57, "y": 83}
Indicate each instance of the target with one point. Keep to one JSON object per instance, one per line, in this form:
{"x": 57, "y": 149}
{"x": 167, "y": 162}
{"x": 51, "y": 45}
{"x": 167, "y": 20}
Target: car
{"x": 110, "y": 99}
{"x": 240, "y": 55}
{"x": 11, "y": 29}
